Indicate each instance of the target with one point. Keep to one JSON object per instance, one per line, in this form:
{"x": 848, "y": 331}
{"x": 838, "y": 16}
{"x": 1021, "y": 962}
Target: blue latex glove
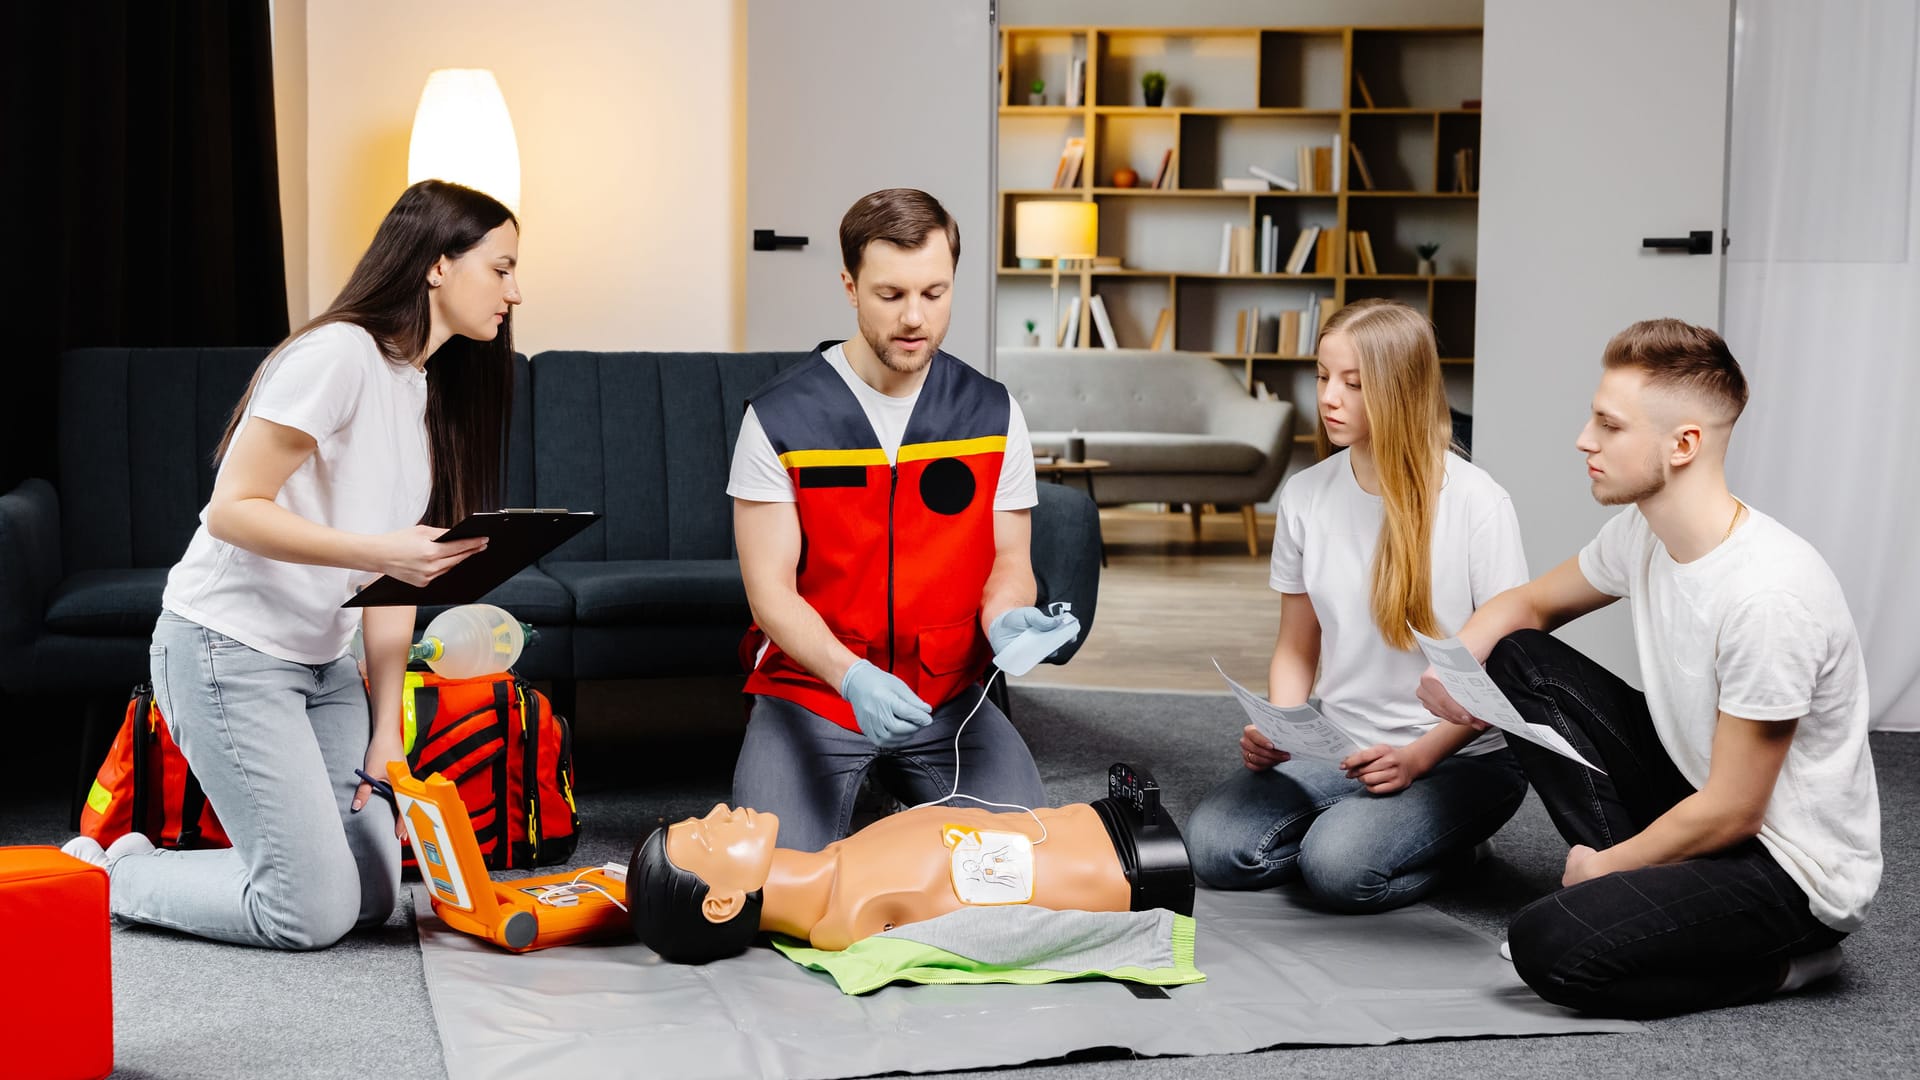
{"x": 1014, "y": 622}
{"x": 887, "y": 711}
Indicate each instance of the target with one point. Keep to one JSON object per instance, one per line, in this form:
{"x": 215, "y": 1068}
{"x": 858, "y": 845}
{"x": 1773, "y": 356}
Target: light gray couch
{"x": 1177, "y": 427}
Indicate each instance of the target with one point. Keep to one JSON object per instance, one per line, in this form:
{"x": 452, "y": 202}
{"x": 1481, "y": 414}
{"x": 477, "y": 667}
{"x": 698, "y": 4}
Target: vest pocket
{"x": 947, "y": 649}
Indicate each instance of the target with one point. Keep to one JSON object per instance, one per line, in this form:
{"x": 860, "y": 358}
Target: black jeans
{"x": 1661, "y": 940}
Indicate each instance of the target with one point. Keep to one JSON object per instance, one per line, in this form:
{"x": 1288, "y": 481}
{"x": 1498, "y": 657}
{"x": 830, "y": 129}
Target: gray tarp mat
{"x": 1277, "y": 972}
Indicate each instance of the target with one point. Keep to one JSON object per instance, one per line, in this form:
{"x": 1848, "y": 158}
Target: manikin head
{"x": 899, "y": 248}
{"x": 693, "y": 888}
{"x": 1667, "y": 402}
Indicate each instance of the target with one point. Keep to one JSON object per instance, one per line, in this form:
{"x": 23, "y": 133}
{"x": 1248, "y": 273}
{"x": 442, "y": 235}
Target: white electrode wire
{"x": 955, "y": 793}
{"x": 546, "y": 898}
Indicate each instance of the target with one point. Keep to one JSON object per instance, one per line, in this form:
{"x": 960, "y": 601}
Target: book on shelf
{"x": 1107, "y": 262}
{"x": 1353, "y": 251}
{"x": 1076, "y": 82}
{"x": 1360, "y": 168}
{"x": 1309, "y": 326}
{"x": 1367, "y": 265}
{"x": 1303, "y": 167}
{"x": 1463, "y": 177}
{"x": 1098, "y": 306}
{"x": 1067, "y": 173}
{"x": 1070, "y": 326}
{"x": 1273, "y": 178}
{"x": 1244, "y": 183}
{"x": 1302, "y": 247}
{"x": 1161, "y": 327}
{"x": 1336, "y": 164}
{"x": 1242, "y": 250}
{"x": 1323, "y": 168}
{"x": 1328, "y": 305}
{"x": 1268, "y": 234}
{"x": 1239, "y": 330}
{"x": 1360, "y": 84}
{"x": 1162, "y": 180}
{"x": 1266, "y": 335}
{"x": 1323, "y": 252}
{"x": 1287, "y": 333}
{"x": 1226, "y": 248}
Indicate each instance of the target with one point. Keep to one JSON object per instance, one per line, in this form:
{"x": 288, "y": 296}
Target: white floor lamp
{"x": 1056, "y": 230}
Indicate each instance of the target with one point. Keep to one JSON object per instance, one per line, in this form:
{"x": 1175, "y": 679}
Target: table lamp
{"x": 1056, "y": 230}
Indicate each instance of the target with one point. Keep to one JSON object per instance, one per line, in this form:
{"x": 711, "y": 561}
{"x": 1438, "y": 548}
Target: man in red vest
{"x": 881, "y": 494}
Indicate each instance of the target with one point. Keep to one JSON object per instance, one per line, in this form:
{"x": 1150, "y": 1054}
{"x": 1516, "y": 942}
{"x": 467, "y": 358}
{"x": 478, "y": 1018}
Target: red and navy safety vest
{"x": 893, "y": 557}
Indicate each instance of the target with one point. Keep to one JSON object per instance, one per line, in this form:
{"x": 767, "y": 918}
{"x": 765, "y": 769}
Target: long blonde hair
{"x": 1406, "y": 405}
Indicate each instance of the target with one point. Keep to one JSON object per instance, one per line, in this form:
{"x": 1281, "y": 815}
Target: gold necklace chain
{"x": 1735, "y": 520}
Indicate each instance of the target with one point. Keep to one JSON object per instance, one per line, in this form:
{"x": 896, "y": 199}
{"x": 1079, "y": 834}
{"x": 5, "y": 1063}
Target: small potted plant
{"x": 1037, "y": 92}
{"x": 1033, "y": 335}
{"x": 1426, "y": 250}
{"x": 1154, "y": 86}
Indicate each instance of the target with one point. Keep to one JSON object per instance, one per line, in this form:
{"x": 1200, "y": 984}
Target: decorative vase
{"x": 1033, "y": 340}
{"x": 1154, "y": 97}
{"x": 1036, "y": 99}
{"x": 1425, "y": 269}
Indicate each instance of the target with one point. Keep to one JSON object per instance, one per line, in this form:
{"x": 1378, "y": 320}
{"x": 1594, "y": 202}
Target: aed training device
{"x": 519, "y": 915}
{"x": 1152, "y": 853}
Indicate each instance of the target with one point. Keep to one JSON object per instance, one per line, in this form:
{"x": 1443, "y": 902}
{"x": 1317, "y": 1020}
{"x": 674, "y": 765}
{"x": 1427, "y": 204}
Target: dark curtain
{"x": 140, "y": 187}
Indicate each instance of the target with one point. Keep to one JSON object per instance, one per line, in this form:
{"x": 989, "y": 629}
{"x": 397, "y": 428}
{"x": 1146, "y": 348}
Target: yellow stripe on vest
{"x": 986, "y": 444}
{"x": 802, "y": 459}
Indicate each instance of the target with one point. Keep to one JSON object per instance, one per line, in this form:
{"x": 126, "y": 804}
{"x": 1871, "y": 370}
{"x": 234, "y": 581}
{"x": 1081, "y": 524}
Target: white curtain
{"x": 1823, "y": 304}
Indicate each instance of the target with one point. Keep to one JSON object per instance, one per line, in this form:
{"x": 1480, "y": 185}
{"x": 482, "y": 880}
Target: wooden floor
{"x": 1168, "y": 606}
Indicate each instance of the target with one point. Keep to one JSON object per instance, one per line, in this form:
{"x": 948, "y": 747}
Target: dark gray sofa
{"x": 651, "y": 590}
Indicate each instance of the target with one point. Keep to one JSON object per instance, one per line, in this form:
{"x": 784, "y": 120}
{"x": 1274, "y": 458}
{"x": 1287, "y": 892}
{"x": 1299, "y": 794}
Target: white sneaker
{"x": 131, "y": 844}
{"x": 86, "y": 849}
{"x": 1506, "y": 951}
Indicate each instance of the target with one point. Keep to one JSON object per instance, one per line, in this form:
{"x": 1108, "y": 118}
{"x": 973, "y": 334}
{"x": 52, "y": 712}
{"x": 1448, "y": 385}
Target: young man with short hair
{"x": 1735, "y": 838}
{"x": 881, "y": 495}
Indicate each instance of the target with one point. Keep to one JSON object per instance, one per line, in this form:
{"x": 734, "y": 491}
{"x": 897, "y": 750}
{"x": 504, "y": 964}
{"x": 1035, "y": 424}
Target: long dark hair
{"x": 469, "y": 383}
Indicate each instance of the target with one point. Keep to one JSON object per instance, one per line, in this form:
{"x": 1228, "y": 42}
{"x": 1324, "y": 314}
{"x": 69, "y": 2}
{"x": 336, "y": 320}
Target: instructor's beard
{"x": 884, "y": 351}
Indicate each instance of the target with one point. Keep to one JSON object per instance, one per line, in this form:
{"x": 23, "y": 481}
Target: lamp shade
{"x": 1055, "y": 230}
{"x": 462, "y": 133}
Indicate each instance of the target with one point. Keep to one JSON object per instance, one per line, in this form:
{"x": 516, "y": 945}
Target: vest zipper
{"x": 893, "y": 487}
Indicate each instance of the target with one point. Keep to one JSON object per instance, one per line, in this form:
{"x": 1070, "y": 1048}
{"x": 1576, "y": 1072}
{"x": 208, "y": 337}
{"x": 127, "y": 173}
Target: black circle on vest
{"x": 947, "y": 486}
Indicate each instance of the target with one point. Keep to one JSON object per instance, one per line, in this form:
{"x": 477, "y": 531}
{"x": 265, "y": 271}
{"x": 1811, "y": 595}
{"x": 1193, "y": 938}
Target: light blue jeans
{"x": 274, "y": 744}
{"x": 1355, "y": 851}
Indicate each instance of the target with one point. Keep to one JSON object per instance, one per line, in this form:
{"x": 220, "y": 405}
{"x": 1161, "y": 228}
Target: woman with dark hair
{"x": 360, "y": 440}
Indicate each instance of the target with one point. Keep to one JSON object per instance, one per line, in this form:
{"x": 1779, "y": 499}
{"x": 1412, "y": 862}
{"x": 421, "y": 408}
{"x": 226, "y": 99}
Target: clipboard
{"x": 515, "y": 540}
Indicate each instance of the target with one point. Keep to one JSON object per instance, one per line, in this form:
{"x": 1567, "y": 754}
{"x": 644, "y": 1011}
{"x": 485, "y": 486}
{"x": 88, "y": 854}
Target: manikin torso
{"x": 899, "y": 870}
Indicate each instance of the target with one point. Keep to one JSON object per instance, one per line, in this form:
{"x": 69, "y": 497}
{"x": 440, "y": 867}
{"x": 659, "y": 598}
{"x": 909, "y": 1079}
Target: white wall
{"x": 1241, "y": 13}
{"x": 629, "y": 116}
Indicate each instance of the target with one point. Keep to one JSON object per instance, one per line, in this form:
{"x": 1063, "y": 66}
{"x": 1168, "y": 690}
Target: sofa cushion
{"x": 653, "y": 590}
{"x": 1159, "y": 452}
{"x": 107, "y": 602}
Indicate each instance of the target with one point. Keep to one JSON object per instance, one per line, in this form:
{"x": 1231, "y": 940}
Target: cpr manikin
{"x": 700, "y": 889}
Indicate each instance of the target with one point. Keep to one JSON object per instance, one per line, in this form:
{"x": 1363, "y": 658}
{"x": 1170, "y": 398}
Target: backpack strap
{"x": 140, "y": 719}
{"x": 193, "y": 803}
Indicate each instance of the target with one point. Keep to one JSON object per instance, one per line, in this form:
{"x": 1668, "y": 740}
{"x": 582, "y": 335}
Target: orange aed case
{"x": 507, "y": 913}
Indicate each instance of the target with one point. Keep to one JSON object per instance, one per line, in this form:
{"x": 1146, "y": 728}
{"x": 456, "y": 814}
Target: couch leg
{"x": 1252, "y": 523}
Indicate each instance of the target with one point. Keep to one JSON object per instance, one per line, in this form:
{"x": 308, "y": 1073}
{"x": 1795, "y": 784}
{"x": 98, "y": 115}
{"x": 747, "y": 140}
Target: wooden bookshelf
{"x": 1240, "y": 96}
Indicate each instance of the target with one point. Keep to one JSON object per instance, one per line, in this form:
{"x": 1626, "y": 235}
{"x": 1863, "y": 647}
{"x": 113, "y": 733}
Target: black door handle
{"x": 1697, "y": 242}
{"x": 768, "y": 240}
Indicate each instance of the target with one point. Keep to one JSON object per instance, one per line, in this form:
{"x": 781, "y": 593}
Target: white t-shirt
{"x": 371, "y": 473}
{"x": 1323, "y": 545}
{"x": 758, "y": 475}
{"x": 1757, "y": 628}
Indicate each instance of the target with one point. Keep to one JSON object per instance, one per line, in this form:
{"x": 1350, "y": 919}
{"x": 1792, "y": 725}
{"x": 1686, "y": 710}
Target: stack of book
{"x": 1319, "y": 166}
{"x": 1360, "y": 252}
{"x": 1463, "y": 174}
{"x": 1288, "y": 333}
{"x": 1163, "y": 180}
{"x": 1076, "y": 82}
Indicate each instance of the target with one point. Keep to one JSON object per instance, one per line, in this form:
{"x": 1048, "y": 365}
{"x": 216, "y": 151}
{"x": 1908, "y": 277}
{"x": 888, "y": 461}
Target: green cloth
{"x": 1015, "y": 944}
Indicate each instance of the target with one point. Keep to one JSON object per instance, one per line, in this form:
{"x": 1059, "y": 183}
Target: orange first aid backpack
{"x": 145, "y": 786}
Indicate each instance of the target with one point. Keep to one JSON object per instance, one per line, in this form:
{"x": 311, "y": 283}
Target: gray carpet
{"x": 186, "y": 1008}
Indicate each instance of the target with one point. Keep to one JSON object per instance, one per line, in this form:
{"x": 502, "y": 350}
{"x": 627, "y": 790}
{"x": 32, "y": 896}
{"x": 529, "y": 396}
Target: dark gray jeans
{"x": 807, "y": 769}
